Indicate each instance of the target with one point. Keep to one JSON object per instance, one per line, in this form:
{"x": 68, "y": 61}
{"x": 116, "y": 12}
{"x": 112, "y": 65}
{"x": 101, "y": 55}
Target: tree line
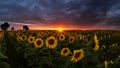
{"x": 6, "y": 25}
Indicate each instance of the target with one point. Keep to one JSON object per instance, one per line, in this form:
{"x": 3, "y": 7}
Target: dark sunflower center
{"x": 52, "y": 33}
{"x": 23, "y": 37}
{"x": 77, "y": 55}
{"x": 31, "y": 39}
{"x": 38, "y": 42}
{"x": 61, "y": 37}
{"x": 51, "y": 41}
{"x": 71, "y": 39}
{"x": 65, "y": 51}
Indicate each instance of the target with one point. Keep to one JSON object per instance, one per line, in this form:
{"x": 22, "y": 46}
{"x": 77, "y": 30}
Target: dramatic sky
{"x": 74, "y": 14}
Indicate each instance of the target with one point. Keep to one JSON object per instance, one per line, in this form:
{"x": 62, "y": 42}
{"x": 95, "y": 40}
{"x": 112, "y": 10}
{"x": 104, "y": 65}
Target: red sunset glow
{"x": 56, "y": 27}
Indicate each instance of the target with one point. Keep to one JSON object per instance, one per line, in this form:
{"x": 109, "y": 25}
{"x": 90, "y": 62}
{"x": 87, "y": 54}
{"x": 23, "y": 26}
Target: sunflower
{"x": 65, "y": 51}
{"x": 18, "y": 38}
{"x": 51, "y": 42}
{"x": 46, "y": 33}
{"x": 31, "y": 39}
{"x": 71, "y": 39}
{"x": 38, "y": 43}
{"x": 62, "y": 37}
{"x": 78, "y": 55}
{"x": 95, "y": 39}
{"x": 96, "y": 47}
{"x": 24, "y": 37}
{"x": 111, "y": 62}
{"x": 40, "y": 34}
{"x": 106, "y": 64}
{"x": 96, "y": 42}
{"x": 62, "y": 33}
{"x": 80, "y": 37}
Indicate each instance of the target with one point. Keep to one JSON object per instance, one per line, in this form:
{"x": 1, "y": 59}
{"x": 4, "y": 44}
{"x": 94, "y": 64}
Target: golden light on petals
{"x": 31, "y": 39}
{"x": 96, "y": 43}
{"x": 62, "y": 37}
{"x": 38, "y": 43}
{"x": 71, "y": 39}
{"x": 51, "y": 42}
{"x": 77, "y": 55}
{"x": 24, "y": 37}
{"x": 65, "y": 51}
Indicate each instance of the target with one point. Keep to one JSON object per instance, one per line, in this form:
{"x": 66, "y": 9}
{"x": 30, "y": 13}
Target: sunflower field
{"x": 55, "y": 49}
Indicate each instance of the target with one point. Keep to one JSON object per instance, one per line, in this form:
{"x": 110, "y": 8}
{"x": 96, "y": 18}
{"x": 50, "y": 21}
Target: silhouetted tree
{"x": 12, "y": 28}
{"x": 5, "y": 26}
{"x": 25, "y": 27}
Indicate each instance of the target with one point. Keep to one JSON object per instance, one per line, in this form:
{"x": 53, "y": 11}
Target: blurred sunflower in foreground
{"x": 65, "y": 51}
{"x": 77, "y": 55}
{"x": 51, "y": 42}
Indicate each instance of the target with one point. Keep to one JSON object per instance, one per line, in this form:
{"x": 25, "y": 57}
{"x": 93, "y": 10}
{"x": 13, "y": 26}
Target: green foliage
{"x": 16, "y": 53}
{"x": 3, "y": 58}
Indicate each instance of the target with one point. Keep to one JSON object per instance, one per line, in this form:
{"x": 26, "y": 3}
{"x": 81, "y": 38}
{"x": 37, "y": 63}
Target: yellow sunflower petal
{"x": 78, "y": 55}
{"x": 38, "y": 43}
{"x": 51, "y": 42}
{"x": 65, "y": 51}
{"x": 71, "y": 39}
{"x": 31, "y": 39}
{"x": 62, "y": 37}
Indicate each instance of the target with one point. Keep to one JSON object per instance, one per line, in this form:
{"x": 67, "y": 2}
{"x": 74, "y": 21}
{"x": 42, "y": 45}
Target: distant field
{"x": 60, "y": 49}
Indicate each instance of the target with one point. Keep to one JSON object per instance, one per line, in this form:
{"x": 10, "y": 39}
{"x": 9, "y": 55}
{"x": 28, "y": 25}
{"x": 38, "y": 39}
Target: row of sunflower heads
{"x": 52, "y": 42}
{"x": 77, "y": 55}
{"x": 31, "y": 39}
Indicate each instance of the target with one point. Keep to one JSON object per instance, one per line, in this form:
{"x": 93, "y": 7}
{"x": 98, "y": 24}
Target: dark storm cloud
{"x": 87, "y": 13}
{"x": 94, "y": 11}
{"x": 17, "y": 12}
{"x": 114, "y": 21}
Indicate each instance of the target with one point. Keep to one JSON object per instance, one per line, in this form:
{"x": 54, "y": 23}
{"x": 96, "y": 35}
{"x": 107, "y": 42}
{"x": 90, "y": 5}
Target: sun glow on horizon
{"x": 53, "y": 28}
{"x": 60, "y": 29}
